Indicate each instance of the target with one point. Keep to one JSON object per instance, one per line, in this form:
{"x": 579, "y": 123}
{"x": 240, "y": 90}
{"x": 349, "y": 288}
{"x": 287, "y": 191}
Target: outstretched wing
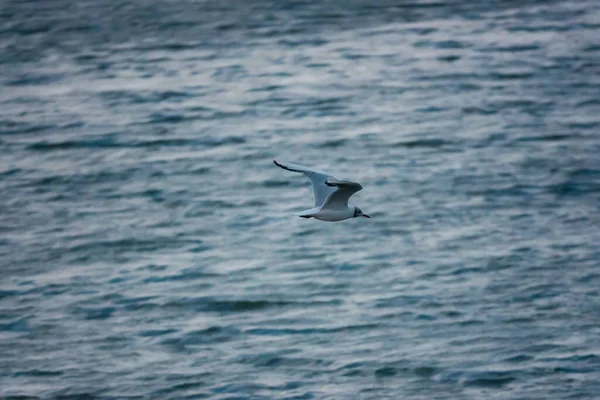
{"x": 317, "y": 178}
{"x": 343, "y": 190}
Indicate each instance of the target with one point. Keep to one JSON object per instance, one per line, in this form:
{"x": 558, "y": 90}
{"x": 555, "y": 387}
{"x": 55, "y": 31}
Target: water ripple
{"x": 148, "y": 247}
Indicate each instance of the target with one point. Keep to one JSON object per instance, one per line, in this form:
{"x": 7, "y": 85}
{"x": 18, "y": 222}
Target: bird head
{"x": 358, "y": 213}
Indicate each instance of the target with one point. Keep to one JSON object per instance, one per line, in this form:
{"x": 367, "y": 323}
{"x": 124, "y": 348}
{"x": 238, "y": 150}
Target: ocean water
{"x": 147, "y": 244}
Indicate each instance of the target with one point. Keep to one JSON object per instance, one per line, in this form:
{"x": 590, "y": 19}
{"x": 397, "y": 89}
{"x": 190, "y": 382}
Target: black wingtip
{"x": 283, "y": 166}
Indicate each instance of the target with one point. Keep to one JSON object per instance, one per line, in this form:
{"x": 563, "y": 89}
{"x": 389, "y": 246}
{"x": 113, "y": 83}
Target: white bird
{"x": 331, "y": 195}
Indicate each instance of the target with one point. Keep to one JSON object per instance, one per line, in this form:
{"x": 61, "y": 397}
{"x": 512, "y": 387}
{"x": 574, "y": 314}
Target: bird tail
{"x": 308, "y": 213}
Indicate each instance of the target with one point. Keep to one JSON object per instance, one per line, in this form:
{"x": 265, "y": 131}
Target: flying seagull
{"x": 331, "y": 195}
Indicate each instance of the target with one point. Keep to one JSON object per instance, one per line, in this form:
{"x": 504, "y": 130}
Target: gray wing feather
{"x": 317, "y": 179}
{"x": 343, "y": 190}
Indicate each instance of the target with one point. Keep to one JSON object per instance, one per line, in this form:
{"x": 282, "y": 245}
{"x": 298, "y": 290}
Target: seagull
{"x": 331, "y": 195}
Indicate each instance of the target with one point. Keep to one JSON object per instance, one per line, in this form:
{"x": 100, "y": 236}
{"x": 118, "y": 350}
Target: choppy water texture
{"x": 147, "y": 245}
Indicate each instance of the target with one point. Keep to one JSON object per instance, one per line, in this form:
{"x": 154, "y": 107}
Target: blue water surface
{"x": 147, "y": 244}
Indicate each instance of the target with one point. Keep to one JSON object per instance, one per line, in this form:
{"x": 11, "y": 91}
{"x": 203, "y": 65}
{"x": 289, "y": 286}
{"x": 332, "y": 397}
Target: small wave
{"x": 426, "y": 143}
{"x": 269, "y": 183}
{"x": 35, "y": 80}
{"x": 175, "y": 46}
{"x": 539, "y": 28}
{"x": 385, "y": 372}
{"x": 588, "y": 103}
{"x": 98, "y": 313}
{"x": 578, "y": 182}
{"x": 211, "y": 335}
{"x": 519, "y": 358}
{"x": 267, "y": 88}
{"x": 79, "y": 179}
{"x": 230, "y": 73}
{"x": 92, "y": 249}
{"x": 16, "y": 325}
{"x": 547, "y": 138}
{"x": 11, "y": 172}
{"x": 162, "y": 118}
{"x": 74, "y": 144}
{"x": 402, "y": 300}
{"x": 515, "y": 190}
{"x": 472, "y": 322}
{"x": 202, "y": 114}
{"x": 397, "y": 368}
{"x": 317, "y": 107}
{"x": 479, "y": 111}
{"x": 31, "y": 28}
{"x": 511, "y": 49}
{"x": 121, "y": 97}
{"x": 37, "y": 373}
{"x": 512, "y": 75}
{"x": 278, "y": 360}
{"x": 110, "y": 142}
{"x": 313, "y": 42}
{"x": 188, "y": 388}
{"x": 308, "y": 331}
{"x": 210, "y": 304}
{"x": 8, "y": 127}
{"x": 186, "y": 275}
{"x": 489, "y": 379}
{"x": 443, "y": 44}
{"x": 156, "y": 332}
{"x": 583, "y": 125}
{"x": 449, "y": 58}
{"x": 76, "y": 29}
{"x": 333, "y": 144}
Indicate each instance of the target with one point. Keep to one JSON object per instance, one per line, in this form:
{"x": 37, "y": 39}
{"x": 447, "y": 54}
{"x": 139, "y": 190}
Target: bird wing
{"x": 338, "y": 199}
{"x": 317, "y": 178}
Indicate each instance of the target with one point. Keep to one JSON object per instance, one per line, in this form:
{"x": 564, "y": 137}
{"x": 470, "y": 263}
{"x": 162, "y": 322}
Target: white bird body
{"x": 331, "y": 195}
{"x": 328, "y": 214}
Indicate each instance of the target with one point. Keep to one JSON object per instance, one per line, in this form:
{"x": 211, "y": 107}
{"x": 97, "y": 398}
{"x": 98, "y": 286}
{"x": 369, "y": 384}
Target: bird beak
{"x": 366, "y": 216}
